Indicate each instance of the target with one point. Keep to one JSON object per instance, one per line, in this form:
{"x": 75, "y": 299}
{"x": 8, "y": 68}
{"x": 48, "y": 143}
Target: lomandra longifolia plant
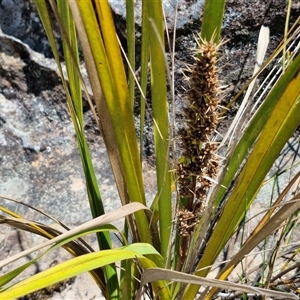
{"x": 199, "y": 163}
{"x": 206, "y": 215}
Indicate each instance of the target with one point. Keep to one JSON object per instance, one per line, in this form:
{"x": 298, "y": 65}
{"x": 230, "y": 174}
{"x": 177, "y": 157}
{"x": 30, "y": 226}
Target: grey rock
{"x": 187, "y": 10}
{"x": 20, "y": 19}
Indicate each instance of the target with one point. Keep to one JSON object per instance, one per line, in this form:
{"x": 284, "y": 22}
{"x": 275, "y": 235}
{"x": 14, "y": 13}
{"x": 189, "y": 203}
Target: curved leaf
{"x": 77, "y": 266}
{"x": 154, "y": 274}
{"x": 90, "y": 225}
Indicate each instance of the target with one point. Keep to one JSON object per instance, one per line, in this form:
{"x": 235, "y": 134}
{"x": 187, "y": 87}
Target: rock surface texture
{"x": 39, "y": 159}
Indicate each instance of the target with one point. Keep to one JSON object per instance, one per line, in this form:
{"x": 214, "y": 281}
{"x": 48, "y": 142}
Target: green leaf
{"x": 144, "y": 72}
{"x": 71, "y": 56}
{"x": 77, "y": 266}
{"x": 130, "y": 26}
{"x": 212, "y": 20}
{"x": 161, "y": 121}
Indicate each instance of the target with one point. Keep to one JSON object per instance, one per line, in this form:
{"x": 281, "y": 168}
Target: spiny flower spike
{"x": 198, "y": 163}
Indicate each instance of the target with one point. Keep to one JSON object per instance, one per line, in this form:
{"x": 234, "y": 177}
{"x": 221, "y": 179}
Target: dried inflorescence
{"x": 199, "y": 162}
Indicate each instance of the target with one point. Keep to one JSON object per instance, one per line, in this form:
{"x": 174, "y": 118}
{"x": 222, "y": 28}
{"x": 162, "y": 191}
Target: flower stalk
{"x": 198, "y": 163}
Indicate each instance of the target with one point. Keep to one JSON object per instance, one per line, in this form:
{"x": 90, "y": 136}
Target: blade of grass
{"x": 70, "y": 48}
{"x": 42, "y": 230}
{"x": 38, "y": 211}
{"x": 212, "y": 20}
{"x": 69, "y": 244}
{"x": 77, "y": 266}
{"x": 153, "y": 274}
{"x": 90, "y": 225}
{"x": 66, "y": 239}
{"x": 161, "y": 122}
{"x": 144, "y": 72}
{"x": 130, "y": 26}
